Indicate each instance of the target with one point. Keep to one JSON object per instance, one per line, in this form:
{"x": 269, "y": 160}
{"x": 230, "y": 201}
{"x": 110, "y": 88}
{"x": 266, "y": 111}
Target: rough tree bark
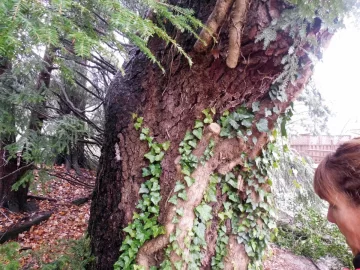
{"x": 224, "y": 76}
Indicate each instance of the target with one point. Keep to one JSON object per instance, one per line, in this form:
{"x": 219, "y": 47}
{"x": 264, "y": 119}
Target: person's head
{"x": 337, "y": 180}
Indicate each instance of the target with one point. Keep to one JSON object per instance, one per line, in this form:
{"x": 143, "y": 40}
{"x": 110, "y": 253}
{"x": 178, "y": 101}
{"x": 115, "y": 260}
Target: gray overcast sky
{"x": 337, "y": 77}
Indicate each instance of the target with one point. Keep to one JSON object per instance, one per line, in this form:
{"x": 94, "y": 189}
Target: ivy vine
{"x": 144, "y": 225}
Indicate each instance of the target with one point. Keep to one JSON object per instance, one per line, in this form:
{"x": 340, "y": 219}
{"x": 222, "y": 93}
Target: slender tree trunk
{"x": 75, "y": 157}
{"x": 12, "y": 169}
{"x": 170, "y": 104}
{"x": 9, "y": 167}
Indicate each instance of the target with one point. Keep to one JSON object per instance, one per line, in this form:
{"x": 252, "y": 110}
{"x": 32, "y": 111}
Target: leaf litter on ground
{"x": 67, "y": 222}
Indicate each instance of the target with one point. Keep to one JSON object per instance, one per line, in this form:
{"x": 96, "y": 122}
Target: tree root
{"x": 236, "y": 258}
{"x": 213, "y": 23}
{"x": 238, "y": 17}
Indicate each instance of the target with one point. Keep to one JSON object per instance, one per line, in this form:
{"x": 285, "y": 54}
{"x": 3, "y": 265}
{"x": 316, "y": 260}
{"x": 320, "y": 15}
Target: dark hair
{"x": 340, "y": 172}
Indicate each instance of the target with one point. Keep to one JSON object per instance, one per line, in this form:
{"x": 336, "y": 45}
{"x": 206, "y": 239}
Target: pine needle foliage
{"x": 87, "y": 24}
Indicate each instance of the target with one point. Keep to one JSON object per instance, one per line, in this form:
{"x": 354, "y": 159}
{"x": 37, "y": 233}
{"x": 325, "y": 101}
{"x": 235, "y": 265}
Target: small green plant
{"x": 66, "y": 255}
{"x": 313, "y": 236}
{"x": 9, "y": 256}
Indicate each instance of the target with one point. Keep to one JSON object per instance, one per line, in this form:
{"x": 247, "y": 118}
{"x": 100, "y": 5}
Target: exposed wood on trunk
{"x": 214, "y": 22}
{"x": 238, "y": 17}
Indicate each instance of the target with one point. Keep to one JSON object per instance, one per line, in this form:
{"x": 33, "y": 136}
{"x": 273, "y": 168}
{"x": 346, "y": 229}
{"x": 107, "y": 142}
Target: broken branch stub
{"x": 238, "y": 17}
{"x": 213, "y": 23}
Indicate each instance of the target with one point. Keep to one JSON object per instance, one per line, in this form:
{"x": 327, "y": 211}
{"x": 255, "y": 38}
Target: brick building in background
{"x": 317, "y": 147}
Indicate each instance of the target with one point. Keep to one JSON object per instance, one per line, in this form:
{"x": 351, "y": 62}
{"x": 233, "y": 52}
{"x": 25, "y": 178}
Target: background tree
{"x": 206, "y": 202}
{"x": 58, "y": 59}
{"x": 311, "y": 113}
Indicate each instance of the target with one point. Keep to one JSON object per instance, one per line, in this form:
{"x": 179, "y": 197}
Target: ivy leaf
{"x": 246, "y": 122}
{"x": 172, "y": 238}
{"x": 179, "y": 186}
{"x": 143, "y": 189}
{"x": 267, "y": 112}
{"x": 157, "y": 230}
{"x": 262, "y": 125}
{"x": 276, "y": 110}
{"x": 155, "y": 169}
{"x": 140, "y": 120}
{"x": 137, "y": 126}
{"x": 175, "y": 220}
{"x": 150, "y": 156}
{"x": 200, "y": 231}
{"x": 178, "y": 265}
{"x": 198, "y": 124}
{"x": 160, "y": 156}
{"x": 255, "y": 106}
{"x": 198, "y": 133}
{"x": 227, "y": 205}
{"x": 233, "y": 183}
{"x": 145, "y": 131}
{"x": 189, "y": 181}
{"x": 188, "y": 136}
{"x": 186, "y": 171}
{"x": 225, "y": 188}
{"x": 155, "y": 198}
{"x": 192, "y": 143}
{"x": 173, "y": 200}
{"x": 156, "y": 148}
{"x": 234, "y": 124}
{"x": 229, "y": 176}
{"x": 204, "y": 212}
{"x": 183, "y": 195}
{"x": 142, "y": 137}
{"x": 129, "y": 230}
{"x": 166, "y": 145}
{"x": 234, "y": 197}
{"x": 180, "y": 211}
{"x": 145, "y": 172}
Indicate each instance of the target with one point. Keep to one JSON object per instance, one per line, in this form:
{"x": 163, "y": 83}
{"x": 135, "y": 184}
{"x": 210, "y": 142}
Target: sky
{"x": 337, "y": 78}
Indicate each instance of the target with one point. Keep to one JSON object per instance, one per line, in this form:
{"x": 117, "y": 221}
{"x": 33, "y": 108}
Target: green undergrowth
{"x": 311, "y": 235}
{"x": 10, "y": 256}
{"x": 65, "y": 255}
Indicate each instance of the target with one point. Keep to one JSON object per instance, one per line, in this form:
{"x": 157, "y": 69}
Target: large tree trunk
{"x": 170, "y": 104}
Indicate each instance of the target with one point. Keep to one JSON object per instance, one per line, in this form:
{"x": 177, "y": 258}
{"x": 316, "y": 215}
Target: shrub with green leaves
{"x": 311, "y": 235}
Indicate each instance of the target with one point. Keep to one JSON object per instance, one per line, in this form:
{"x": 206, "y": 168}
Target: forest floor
{"x": 46, "y": 241}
